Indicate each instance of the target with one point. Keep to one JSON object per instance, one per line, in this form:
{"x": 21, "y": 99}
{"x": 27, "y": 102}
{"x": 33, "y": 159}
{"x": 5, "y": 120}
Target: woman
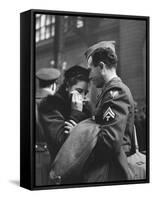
{"x": 58, "y": 114}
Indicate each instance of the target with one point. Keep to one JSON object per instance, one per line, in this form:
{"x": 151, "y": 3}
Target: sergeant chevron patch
{"x": 108, "y": 114}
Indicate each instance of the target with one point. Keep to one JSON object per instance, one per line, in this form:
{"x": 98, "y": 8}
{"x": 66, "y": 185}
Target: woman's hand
{"x": 69, "y": 125}
{"x": 77, "y": 101}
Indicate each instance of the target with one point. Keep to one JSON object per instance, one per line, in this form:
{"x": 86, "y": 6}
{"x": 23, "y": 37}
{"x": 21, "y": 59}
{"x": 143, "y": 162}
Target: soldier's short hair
{"x": 105, "y": 55}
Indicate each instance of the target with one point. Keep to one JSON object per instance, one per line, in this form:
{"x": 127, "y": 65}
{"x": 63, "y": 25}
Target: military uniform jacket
{"x": 115, "y": 113}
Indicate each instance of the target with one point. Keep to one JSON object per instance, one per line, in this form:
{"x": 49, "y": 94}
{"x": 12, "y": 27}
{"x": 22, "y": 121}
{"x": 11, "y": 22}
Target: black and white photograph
{"x": 90, "y": 102}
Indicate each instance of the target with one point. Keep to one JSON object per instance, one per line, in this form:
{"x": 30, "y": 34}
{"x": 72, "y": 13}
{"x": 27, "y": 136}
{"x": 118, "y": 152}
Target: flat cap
{"x": 75, "y": 71}
{"x": 48, "y": 74}
{"x": 102, "y": 44}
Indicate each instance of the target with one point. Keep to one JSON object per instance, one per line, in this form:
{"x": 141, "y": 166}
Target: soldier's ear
{"x": 101, "y": 65}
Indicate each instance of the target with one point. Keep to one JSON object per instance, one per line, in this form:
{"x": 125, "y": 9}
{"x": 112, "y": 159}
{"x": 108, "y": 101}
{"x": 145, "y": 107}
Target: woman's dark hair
{"x": 75, "y": 74}
{"x": 72, "y": 76}
{"x": 105, "y": 55}
{"x": 73, "y": 80}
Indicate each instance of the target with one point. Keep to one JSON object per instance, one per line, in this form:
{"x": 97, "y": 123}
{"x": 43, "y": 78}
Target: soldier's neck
{"x": 110, "y": 75}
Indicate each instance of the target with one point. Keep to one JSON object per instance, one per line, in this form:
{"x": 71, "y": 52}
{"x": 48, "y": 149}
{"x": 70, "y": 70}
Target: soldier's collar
{"x": 114, "y": 79}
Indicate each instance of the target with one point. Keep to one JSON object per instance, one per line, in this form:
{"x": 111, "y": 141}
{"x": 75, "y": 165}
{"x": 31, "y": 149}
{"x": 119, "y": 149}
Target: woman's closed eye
{"x": 81, "y": 91}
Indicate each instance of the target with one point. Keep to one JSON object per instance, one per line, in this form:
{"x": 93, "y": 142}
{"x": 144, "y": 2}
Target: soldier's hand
{"x": 69, "y": 125}
{"x": 77, "y": 101}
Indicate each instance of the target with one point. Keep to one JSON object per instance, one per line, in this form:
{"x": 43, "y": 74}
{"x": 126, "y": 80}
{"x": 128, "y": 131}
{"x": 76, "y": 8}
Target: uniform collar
{"x": 113, "y": 80}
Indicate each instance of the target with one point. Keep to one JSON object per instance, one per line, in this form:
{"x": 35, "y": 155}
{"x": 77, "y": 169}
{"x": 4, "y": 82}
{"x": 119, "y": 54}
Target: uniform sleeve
{"x": 53, "y": 124}
{"x": 112, "y": 116}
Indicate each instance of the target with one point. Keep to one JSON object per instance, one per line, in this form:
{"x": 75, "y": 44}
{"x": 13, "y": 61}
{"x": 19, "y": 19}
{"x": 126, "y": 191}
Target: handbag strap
{"x": 135, "y": 140}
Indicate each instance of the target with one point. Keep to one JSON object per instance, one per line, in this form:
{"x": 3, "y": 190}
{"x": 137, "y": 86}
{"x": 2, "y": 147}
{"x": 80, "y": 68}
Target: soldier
{"x": 114, "y": 112}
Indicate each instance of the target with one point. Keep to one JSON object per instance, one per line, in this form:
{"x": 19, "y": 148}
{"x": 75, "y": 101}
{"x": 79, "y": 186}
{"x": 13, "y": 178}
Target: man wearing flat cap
{"x": 115, "y": 114}
{"x": 47, "y": 78}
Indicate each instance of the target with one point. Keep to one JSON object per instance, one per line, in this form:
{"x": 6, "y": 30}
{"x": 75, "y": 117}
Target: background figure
{"x": 61, "y": 112}
{"x": 47, "y": 78}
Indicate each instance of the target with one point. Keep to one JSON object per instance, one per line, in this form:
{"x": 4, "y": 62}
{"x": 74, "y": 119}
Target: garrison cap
{"x": 76, "y": 71}
{"x": 48, "y": 74}
{"x": 103, "y": 44}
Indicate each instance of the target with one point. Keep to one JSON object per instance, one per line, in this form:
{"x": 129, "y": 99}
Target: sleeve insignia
{"x": 109, "y": 114}
{"x": 114, "y": 94}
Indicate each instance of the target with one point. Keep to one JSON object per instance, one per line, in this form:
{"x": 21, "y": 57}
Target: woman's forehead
{"x": 80, "y": 84}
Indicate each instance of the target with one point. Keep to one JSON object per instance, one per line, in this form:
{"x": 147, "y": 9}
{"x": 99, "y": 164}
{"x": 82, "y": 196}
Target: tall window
{"x": 45, "y": 27}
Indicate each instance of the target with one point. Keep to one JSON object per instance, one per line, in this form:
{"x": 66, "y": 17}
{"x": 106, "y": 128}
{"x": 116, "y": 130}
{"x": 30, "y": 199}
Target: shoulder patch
{"x": 114, "y": 93}
{"x": 109, "y": 114}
